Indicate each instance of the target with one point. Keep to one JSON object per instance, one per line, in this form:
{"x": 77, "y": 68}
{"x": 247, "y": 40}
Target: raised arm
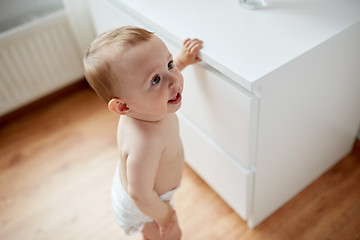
{"x": 188, "y": 54}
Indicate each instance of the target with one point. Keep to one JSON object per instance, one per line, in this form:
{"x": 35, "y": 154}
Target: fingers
{"x": 189, "y": 53}
{"x": 195, "y": 49}
{"x": 186, "y": 41}
{"x": 168, "y": 228}
{"x": 192, "y": 45}
{"x": 192, "y": 48}
{"x": 162, "y": 232}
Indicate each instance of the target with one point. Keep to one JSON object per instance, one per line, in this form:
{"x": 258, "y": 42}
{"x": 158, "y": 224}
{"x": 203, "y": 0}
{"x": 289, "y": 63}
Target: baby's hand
{"x": 170, "y": 227}
{"x": 189, "y": 53}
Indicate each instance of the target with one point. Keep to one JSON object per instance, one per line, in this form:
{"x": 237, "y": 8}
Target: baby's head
{"x": 132, "y": 70}
{"x": 100, "y": 54}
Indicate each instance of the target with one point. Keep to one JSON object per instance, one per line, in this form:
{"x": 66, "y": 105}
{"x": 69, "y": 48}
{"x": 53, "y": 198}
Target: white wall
{"x": 13, "y": 12}
{"x": 81, "y": 22}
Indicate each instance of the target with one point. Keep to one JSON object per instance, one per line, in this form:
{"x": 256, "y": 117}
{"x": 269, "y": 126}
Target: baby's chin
{"x": 174, "y": 108}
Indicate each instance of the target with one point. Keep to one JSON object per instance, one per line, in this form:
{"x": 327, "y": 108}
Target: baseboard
{"x": 9, "y": 117}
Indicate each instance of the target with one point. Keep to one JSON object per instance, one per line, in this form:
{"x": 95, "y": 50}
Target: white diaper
{"x": 128, "y": 216}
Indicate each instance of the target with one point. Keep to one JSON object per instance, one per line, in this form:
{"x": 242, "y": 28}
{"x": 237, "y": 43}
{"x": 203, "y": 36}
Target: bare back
{"x": 136, "y": 137}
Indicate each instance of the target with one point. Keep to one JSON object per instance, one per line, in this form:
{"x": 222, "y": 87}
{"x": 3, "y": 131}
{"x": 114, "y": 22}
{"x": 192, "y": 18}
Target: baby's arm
{"x": 188, "y": 54}
{"x": 142, "y": 166}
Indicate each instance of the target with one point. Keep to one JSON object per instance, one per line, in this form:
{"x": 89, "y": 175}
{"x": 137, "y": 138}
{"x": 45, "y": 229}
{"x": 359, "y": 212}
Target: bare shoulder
{"x": 139, "y": 136}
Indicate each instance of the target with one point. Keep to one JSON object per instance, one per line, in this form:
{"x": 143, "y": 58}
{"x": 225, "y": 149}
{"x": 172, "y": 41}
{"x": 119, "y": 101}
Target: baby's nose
{"x": 171, "y": 84}
{"x": 172, "y": 81}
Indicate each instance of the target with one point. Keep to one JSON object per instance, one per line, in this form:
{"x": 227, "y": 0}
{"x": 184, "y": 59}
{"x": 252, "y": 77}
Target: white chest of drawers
{"x": 276, "y": 101}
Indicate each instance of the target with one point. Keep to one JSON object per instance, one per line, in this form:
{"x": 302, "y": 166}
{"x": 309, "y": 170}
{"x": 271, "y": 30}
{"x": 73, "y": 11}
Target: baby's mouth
{"x": 176, "y": 99}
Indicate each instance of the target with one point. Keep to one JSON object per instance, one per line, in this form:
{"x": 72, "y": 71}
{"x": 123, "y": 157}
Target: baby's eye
{"x": 156, "y": 80}
{"x": 171, "y": 64}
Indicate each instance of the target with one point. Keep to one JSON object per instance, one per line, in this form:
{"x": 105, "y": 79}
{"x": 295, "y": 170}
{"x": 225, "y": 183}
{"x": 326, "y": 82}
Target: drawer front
{"x": 226, "y": 176}
{"x": 221, "y": 110}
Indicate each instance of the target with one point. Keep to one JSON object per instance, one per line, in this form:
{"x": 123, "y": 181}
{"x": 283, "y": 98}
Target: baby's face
{"x": 152, "y": 84}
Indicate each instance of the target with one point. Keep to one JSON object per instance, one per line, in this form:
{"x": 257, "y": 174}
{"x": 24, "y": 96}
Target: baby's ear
{"x": 117, "y": 105}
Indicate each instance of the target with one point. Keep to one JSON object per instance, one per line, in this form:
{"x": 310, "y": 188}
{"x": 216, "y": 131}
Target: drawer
{"x": 226, "y": 176}
{"x": 222, "y": 110}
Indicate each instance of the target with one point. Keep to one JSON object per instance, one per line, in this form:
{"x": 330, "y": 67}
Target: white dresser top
{"x": 246, "y": 45}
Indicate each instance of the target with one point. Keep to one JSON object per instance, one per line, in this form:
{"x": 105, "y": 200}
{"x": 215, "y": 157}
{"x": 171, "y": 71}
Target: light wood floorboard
{"x": 57, "y": 164}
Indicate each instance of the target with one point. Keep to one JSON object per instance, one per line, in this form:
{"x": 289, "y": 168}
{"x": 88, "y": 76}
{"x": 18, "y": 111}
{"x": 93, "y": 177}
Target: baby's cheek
{"x": 181, "y": 77}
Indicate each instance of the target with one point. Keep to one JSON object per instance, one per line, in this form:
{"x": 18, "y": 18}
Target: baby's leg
{"x": 145, "y": 238}
{"x": 151, "y": 231}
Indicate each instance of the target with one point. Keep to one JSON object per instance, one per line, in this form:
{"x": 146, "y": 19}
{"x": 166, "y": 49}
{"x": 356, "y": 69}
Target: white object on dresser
{"x": 276, "y": 101}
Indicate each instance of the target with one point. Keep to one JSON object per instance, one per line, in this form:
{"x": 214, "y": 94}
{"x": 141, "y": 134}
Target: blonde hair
{"x": 96, "y": 62}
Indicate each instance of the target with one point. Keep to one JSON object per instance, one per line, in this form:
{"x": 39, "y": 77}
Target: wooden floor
{"x": 57, "y": 165}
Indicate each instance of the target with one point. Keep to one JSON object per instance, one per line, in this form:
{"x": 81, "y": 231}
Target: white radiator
{"x": 36, "y": 59}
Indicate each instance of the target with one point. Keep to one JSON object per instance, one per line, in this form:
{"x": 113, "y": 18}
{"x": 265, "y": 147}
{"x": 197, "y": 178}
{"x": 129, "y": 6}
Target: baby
{"x": 134, "y": 72}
